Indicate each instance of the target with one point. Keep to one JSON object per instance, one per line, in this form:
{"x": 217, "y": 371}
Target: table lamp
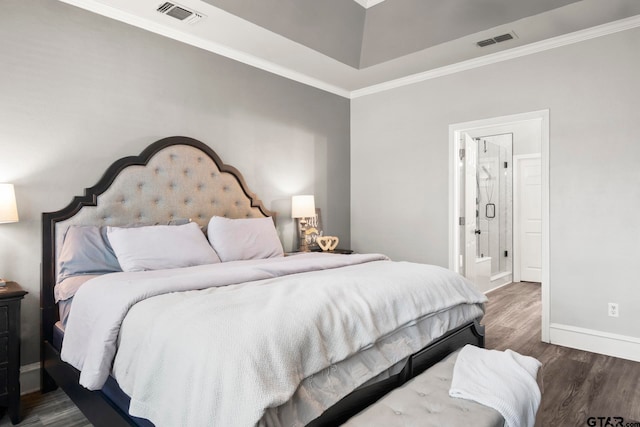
{"x": 8, "y": 209}
{"x": 303, "y": 207}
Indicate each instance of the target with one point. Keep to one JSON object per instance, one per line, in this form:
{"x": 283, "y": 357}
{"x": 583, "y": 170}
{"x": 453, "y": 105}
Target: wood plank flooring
{"x": 53, "y": 409}
{"x": 577, "y": 384}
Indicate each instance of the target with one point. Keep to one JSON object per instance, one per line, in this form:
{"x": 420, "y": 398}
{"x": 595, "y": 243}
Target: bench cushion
{"x": 424, "y": 402}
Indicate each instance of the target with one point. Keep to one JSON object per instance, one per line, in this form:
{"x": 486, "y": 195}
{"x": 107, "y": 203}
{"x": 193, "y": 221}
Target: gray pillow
{"x": 86, "y": 250}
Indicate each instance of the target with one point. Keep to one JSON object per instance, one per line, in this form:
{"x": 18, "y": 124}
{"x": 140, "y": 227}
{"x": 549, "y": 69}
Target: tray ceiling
{"x": 362, "y": 37}
{"x": 342, "y": 47}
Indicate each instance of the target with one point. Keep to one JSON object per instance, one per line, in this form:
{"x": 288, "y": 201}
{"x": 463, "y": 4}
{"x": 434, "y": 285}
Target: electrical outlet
{"x": 613, "y": 309}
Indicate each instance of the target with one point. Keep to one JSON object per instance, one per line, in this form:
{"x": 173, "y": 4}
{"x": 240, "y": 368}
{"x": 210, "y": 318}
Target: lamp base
{"x": 303, "y": 246}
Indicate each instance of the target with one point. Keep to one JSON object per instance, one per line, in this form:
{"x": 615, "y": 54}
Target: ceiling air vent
{"x": 487, "y": 42}
{"x": 503, "y": 38}
{"x": 180, "y": 12}
{"x": 497, "y": 39}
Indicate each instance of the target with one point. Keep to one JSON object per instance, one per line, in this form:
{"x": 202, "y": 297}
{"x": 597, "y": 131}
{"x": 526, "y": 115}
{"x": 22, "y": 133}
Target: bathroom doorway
{"x": 491, "y": 242}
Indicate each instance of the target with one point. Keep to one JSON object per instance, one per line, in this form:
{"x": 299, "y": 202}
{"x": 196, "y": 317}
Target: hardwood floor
{"x": 577, "y": 384}
{"x": 53, "y": 409}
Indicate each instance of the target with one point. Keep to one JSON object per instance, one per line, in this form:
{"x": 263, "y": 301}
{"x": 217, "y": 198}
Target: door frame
{"x": 517, "y": 220}
{"x": 455, "y": 133}
{"x": 469, "y": 226}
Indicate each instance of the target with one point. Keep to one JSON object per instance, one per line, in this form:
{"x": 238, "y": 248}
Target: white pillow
{"x": 246, "y": 238}
{"x": 158, "y": 247}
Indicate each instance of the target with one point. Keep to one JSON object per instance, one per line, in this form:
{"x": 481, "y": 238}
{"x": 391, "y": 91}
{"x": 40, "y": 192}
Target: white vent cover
{"x": 180, "y": 13}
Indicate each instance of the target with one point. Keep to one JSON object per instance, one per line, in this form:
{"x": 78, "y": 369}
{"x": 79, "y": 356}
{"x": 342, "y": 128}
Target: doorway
{"x": 491, "y": 227}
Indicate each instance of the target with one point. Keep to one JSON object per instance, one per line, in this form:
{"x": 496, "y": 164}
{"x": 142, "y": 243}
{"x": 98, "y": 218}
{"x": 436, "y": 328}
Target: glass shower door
{"x": 495, "y": 202}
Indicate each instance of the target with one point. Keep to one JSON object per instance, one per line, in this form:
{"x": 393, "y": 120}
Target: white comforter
{"x": 240, "y": 349}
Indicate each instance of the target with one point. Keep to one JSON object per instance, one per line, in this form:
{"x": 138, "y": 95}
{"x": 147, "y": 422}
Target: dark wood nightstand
{"x": 341, "y": 251}
{"x": 335, "y": 251}
{"x": 10, "y": 298}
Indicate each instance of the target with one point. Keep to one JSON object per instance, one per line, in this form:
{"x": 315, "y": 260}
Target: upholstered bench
{"x": 424, "y": 402}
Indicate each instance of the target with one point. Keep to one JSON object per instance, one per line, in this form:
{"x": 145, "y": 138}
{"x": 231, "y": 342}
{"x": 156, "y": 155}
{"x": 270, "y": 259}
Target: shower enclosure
{"x": 494, "y": 205}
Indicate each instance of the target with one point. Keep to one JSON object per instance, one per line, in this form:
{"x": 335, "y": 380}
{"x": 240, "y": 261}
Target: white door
{"x": 530, "y": 218}
{"x": 470, "y": 194}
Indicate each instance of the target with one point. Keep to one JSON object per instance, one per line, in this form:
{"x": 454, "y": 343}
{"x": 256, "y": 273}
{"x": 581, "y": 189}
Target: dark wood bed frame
{"x": 101, "y": 409}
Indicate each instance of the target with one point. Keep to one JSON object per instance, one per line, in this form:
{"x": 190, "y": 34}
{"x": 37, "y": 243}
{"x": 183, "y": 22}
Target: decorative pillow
{"x": 86, "y": 250}
{"x": 159, "y": 247}
{"x": 247, "y": 238}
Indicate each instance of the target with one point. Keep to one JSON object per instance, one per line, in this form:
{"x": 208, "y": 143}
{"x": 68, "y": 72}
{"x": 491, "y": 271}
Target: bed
{"x": 181, "y": 180}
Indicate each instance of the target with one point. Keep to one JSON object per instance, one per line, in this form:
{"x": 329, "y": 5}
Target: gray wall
{"x": 399, "y": 185}
{"x": 80, "y": 91}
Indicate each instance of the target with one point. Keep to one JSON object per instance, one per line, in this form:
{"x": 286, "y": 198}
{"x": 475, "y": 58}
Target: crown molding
{"x": 505, "y": 55}
{"x": 207, "y": 45}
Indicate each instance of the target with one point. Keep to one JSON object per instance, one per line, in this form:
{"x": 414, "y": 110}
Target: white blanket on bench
{"x": 504, "y": 381}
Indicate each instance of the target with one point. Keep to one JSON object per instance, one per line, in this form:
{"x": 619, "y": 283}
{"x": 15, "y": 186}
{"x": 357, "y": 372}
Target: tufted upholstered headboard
{"x": 176, "y": 177}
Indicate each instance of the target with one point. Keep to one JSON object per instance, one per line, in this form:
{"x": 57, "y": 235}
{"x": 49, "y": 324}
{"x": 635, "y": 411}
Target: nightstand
{"x": 341, "y": 251}
{"x": 10, "y": 297}
{"x": 335, "y": 251}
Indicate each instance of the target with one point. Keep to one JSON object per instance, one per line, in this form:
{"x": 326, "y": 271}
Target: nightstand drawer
{"x": 4, "y": 349}
{"x": 3, "y": 381}
{"x": 4, "y": 319}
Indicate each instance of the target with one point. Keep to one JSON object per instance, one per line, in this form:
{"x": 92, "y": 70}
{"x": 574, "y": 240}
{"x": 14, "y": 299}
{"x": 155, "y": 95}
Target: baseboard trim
{"x": 497, "y": 287}
{"x": 30, "y": 378}
{"x": 622, "y": 346}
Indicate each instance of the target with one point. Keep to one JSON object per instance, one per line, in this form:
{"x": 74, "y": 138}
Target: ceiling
{"x": 363, "y": 37}
{"x": 354, "y": 47}
{"x": 368, "y": 3}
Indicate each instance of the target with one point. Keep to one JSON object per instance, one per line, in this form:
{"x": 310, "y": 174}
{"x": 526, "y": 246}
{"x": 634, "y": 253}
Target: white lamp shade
{"x": 8, "y": 208}
{"x": 303, "y": 207}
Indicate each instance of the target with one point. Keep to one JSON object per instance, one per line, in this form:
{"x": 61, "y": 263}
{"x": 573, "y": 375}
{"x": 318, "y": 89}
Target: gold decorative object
{"x": 327, "y": 243}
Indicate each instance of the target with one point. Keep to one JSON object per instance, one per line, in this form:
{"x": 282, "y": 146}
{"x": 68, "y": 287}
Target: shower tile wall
{"x": 495, "y": 186}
